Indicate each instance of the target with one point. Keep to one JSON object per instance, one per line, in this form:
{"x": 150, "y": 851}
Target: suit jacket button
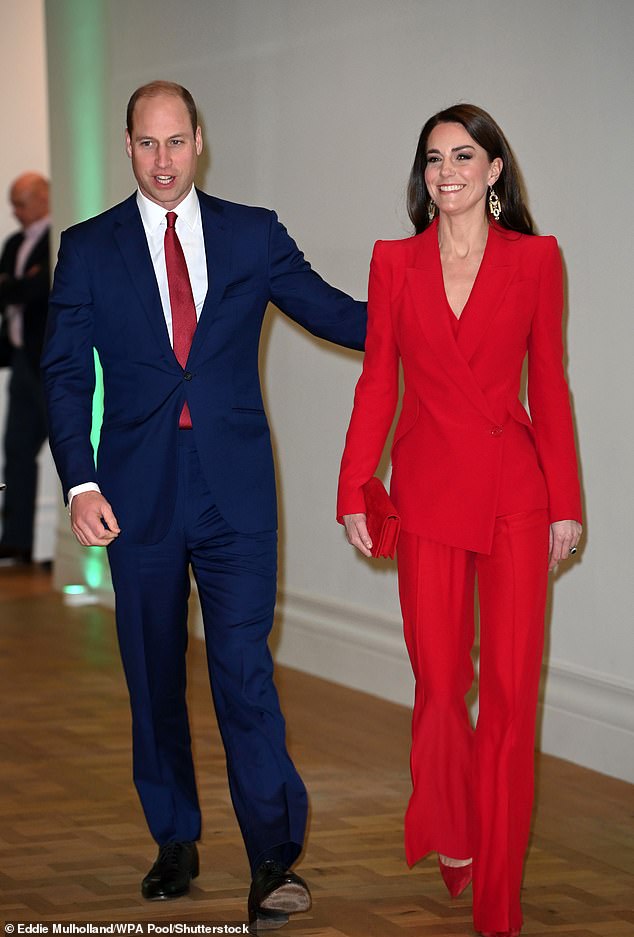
{"x": 188, "y": 375}
{"x": 497, "y": 430}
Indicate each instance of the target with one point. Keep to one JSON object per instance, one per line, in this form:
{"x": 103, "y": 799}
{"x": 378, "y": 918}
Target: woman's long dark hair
{"x": 483, "y": 129}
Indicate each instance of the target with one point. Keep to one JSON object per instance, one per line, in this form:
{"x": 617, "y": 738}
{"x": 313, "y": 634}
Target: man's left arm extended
{"x": 304, "y": 296}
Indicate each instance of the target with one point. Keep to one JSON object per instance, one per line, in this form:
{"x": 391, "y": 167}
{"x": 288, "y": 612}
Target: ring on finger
{"x": 572, "y": 551}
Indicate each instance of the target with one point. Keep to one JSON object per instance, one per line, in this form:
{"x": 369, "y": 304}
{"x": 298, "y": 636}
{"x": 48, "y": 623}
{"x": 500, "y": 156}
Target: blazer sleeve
{"x": 548, "y": 395}
{"x": 302, "y": 294}
{"x": 68, "y": 368}
{"x": 376, "y": 394}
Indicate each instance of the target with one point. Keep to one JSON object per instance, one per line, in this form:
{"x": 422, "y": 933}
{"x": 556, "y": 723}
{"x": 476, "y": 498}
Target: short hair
{"x": 152, "y": 90}
{"x": 486, "y": 132}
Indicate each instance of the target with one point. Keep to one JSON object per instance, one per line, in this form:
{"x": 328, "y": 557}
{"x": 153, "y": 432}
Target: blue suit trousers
{"x": 236, "y": 579}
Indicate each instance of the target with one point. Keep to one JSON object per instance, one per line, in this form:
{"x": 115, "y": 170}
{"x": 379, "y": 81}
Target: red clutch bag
{"x": 382, "y": 521}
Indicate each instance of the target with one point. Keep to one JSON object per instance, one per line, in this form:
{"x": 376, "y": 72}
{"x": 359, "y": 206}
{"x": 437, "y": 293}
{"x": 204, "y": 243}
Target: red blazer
{"x": 465, "y": 449}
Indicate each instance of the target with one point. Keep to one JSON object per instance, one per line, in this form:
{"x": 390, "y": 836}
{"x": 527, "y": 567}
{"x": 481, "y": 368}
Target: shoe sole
{"x": 267, "y": 920}
{"x": 289, "y": 898}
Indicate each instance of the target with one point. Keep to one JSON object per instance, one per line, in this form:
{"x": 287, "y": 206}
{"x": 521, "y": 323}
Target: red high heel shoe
{"x": 456, "y": 878}
{"x": 500, "y": 933}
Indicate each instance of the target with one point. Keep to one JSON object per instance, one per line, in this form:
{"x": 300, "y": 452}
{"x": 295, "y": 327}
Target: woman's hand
{"x": 357, "y": 533}
{"x": 564, "y": 537}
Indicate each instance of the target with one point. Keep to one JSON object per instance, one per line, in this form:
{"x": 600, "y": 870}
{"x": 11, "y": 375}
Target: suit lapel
{"x": 487, "y": 295}
{"x": 217, "y": 235}
{"x": 429, "y": 301}
{"x": 130, "y": 237}
{"x": 132, "y": 242}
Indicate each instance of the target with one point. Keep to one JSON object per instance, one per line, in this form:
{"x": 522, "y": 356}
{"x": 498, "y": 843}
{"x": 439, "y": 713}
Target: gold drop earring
{"x": 431, "y": 210}
{"x": 495, "y": 206}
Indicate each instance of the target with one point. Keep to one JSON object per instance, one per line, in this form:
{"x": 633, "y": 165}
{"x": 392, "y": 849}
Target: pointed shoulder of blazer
{"x": 121, "y": 213}
{"x": 232, "y": 211}
{"x": 406, "y": 249}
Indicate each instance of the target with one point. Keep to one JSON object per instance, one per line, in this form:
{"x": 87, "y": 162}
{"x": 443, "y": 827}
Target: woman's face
{"x": 458, "y": 171}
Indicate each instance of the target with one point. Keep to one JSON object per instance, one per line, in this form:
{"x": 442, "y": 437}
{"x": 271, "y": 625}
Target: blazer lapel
{"x": 429, "y": 302}
{"x": 130, "y": 237}
{"x": 488, "y": 292}
{"x": 217, "y": 233}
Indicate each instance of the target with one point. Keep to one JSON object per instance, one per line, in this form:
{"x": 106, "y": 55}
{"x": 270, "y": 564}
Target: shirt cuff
{"x": 79, "y": 489}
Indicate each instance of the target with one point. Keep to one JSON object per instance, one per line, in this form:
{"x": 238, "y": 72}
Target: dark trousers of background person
{"x": 236, "y": 578}
{"x": 473, "y": 790}
{"x": 25, "y": 434}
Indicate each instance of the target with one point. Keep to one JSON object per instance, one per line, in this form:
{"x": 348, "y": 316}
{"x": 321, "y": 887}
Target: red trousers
{"x": 473, "y": 788}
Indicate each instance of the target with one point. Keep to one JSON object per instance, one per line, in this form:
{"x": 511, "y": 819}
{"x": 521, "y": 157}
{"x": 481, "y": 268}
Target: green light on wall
{"x": 84, "y": 25}
{"x": 81, "y": 27}
{"x": 97, "y": 406}
{"x": 87, "y": 128}
{"x": 78, "y": 33}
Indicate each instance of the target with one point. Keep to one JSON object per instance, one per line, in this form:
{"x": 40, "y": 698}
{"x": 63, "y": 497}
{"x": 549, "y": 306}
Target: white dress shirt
{"x": 189, "y": 228}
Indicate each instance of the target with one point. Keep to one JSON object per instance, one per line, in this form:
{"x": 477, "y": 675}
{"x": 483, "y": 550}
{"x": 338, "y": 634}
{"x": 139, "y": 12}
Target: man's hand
{"x": 564, "y": 537}
{"x": 357, "y": 533}
{"x": 92, "y": 520}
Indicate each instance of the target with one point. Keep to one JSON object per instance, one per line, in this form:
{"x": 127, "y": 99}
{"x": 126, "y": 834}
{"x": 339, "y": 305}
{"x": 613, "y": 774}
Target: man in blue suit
{"x": 185, "y": 476}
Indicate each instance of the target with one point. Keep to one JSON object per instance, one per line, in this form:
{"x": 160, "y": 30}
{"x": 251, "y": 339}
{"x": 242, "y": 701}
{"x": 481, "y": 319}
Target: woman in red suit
{"x": 482, "y": 489}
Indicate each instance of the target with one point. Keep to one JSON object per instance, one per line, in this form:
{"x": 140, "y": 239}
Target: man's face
{"x": 164, "y": 149}
{"x": 29, "y": 201}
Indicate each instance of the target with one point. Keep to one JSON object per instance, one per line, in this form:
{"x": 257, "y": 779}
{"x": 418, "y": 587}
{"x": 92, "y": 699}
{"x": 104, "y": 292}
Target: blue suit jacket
{"x": 105, "y": 296}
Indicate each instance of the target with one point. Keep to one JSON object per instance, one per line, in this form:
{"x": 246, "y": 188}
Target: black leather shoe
{"x": 176, "y": 865}
{"x": 275, "y": 893}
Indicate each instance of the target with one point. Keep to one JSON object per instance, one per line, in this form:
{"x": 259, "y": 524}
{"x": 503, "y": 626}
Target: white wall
{"x": 25, "y": 119}
{"x": 315, "y": 109}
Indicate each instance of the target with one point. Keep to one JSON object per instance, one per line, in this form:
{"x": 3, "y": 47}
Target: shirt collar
{"x": 34, "y": 231}
{"x": 153, "y": 215}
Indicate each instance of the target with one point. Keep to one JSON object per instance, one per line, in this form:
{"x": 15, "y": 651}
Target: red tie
{"x": 181, "y": 301}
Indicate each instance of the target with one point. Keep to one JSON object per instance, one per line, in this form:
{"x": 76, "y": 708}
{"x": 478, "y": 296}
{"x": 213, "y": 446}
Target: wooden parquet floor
{"x": 73, "y": 842}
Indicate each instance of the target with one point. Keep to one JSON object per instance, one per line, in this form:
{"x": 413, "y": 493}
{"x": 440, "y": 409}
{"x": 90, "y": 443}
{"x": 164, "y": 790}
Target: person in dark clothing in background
{"x": 24, "y": 289}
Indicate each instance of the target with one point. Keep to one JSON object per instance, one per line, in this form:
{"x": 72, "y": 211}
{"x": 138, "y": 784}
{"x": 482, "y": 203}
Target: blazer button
{"x": 497, "y": 430}
{"x": 188, "y": 375}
